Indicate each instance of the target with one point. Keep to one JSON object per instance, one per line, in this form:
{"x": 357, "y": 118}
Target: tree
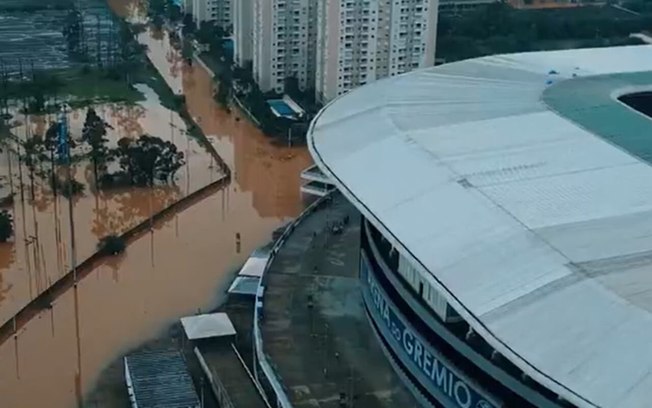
{"x": 187, "y": 52}
{"x": 93, "y": 133}
{"x": 223, "y": 94}
{"x": 39, "y": 88}
{"x": 131, "y": 51}
{"x": 50, "y": 145}
{"x": 157, "y": 7}
{"x": 189, "y": 26}
{"x": 210, "y": 33}
{"x": 111, "y": 245}
{"x": 68, "y": 187}
{"x": 148, "y": 159}
{"x": 174, "y": 12}
{"x": 6, "y": 226}
{"x": 73, "y": 31}
{"x": 33, "y": 149}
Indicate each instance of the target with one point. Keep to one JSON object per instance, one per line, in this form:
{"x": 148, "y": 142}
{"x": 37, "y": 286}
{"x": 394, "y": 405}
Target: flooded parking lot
{"x": 179, "y": 267}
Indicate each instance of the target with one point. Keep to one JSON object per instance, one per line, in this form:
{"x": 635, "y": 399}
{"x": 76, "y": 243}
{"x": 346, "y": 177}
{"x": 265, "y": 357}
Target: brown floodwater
{"x": 39, "y": 254}
{"x": 178, "y": 268}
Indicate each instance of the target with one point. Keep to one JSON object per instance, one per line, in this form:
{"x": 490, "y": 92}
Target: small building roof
{"x": 255, "y": 265}
{"x": 245, "y": 285}
{"x": 159, "y": 379}
{"x": 207, "y": 325}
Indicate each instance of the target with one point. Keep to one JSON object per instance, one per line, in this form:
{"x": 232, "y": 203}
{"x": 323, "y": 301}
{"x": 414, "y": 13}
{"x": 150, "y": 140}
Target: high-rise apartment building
{"x": 186, "y": 6}
{"x": 218, "y": 11}
{"x": 243, "y": 31}
{"x": 284, "y": 41}
{"x": 333, "y": 46}
{"x": 360, "y": 41}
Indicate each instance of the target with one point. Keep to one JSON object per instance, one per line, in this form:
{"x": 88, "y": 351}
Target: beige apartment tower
{"x": 284, "y": 36}
{"x": 243, "y": 32}
{"x": 360, "y": 41}
{"x": 218, "y": 11}
{"x": 333, "y": 46}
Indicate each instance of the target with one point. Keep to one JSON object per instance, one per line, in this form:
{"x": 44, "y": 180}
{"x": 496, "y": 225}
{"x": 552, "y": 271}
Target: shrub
{"x": 68, "y": 188}
{"x": 111, "y": 245}
{"x": 6, "y": 225}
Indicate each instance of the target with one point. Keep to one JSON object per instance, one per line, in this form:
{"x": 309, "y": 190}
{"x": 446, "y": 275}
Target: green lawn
{"x": 86, "y": 87}
{"x": 81, "y": 87}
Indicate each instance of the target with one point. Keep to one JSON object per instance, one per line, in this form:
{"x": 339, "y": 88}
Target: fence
{"x": 45, "y": 298}
{"x": 261, "y": 361}
{"x": 216, "y": 384}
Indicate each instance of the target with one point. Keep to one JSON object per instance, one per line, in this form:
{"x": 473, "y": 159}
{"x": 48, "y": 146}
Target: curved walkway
{"x": 314, "y": 327}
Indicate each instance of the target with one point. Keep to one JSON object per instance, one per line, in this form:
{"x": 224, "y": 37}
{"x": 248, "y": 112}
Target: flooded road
{"x": 179, "y": 267}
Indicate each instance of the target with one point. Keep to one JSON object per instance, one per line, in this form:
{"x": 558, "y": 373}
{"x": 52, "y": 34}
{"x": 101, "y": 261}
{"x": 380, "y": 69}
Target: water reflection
{"x": 130, "y": 205}
{"x": 7, "y": 258}
{"x": 179, "y": 267}
{"x": 41, "y": 220}
{"x": 124, "y": 119}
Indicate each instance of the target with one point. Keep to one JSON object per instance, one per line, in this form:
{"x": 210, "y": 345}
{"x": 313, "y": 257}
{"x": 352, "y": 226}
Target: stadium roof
{"x": 521, "y": 186}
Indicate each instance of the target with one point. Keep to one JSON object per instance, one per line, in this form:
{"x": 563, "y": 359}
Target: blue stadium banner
{"x": 442, "y": 380}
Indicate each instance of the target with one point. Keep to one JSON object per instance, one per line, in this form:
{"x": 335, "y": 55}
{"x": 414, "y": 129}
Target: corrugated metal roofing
{"x": 520, "y": 187}
{"x": 160, "y": 379}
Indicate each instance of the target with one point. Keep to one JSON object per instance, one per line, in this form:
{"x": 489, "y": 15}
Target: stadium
{"x": 506, "y": 245}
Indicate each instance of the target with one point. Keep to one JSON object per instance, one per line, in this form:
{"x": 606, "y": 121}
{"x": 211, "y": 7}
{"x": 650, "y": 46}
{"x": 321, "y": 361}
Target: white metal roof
{"x": 255, "y": 264}
{"x": 207, "y": 325}
{"x": 538, "y": 231}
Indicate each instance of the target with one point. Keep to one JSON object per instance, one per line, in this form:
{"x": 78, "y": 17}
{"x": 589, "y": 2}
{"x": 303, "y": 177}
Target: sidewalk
{"x": 314, "y": 328}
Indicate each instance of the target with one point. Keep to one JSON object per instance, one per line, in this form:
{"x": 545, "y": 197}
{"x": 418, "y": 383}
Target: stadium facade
{"x": 506, "y": 245}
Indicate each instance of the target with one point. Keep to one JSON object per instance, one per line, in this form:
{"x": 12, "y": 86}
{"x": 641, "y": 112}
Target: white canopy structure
{"x": 207, "y": 326}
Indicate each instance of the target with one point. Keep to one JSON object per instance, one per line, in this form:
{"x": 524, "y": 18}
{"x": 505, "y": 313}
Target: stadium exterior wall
{"x": 384, "y": 289}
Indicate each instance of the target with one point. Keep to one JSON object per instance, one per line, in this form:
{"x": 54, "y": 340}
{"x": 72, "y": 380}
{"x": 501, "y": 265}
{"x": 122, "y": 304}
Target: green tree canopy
{"x": 94, "y": 134}
{"x": 148, "y": 159}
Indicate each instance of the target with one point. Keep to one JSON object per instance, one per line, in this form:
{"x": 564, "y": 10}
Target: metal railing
{"x": 260, "y": 358}
{"x": 219, "y": 390}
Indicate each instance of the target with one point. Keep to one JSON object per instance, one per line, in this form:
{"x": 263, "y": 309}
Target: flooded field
{"x": 40, "y": 252}
{"x": 179, "y": 267}
{"x": 31, "y": 32}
